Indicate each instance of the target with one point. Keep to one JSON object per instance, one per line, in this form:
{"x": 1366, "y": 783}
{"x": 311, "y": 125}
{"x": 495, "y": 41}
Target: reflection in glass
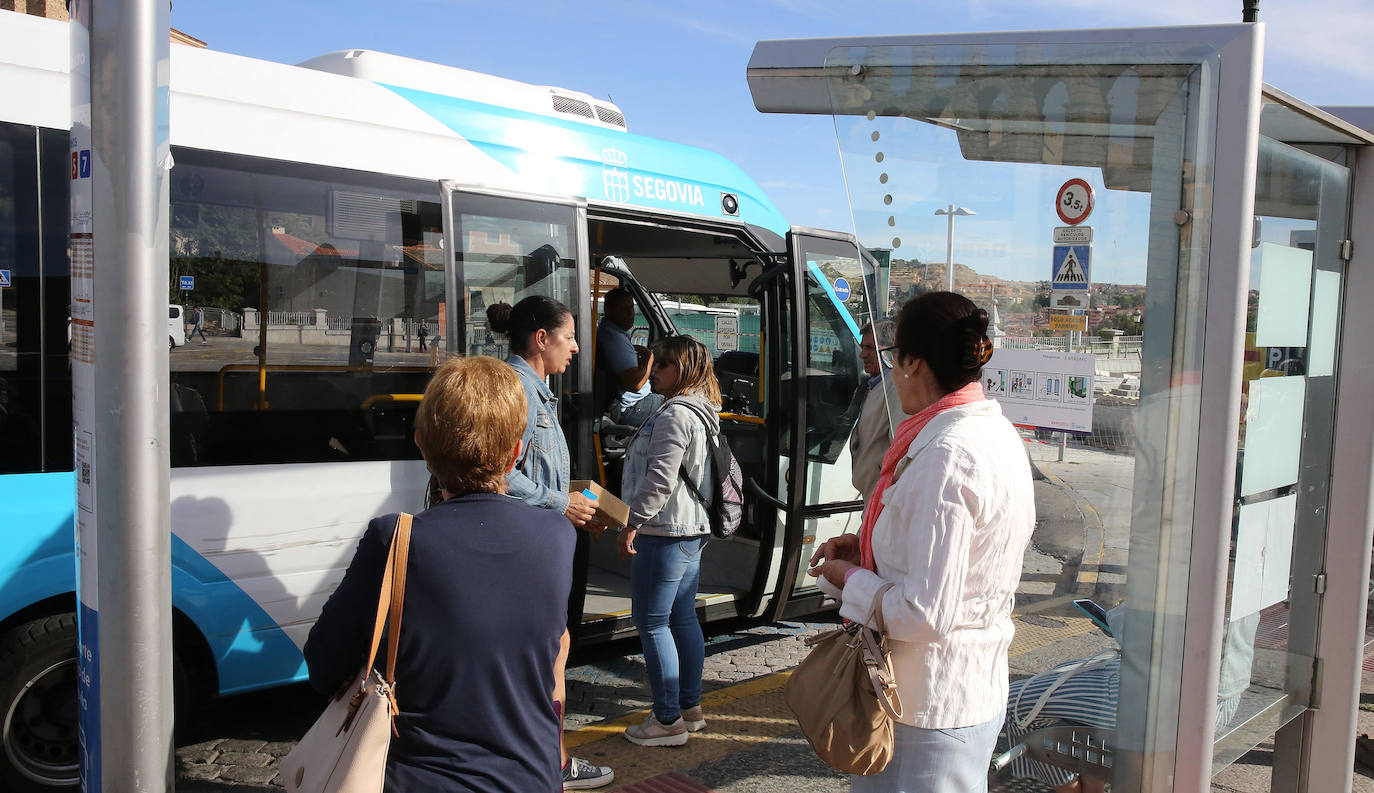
{"x": 1001, "y": 128}
{"x": 313, "y": 289}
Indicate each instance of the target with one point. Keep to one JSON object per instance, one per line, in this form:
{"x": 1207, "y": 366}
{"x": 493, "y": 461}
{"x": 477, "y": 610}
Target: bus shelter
{"x": 1151, "y": 175}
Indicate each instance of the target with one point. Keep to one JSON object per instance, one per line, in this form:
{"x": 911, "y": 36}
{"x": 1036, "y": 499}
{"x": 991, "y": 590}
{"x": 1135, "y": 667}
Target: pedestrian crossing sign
{"x": 1071, "y": 268}
{"x": 4, "y": 278}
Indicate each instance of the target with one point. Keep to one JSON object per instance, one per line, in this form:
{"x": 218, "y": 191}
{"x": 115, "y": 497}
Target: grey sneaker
{"x": 695, "y": 719}
{"x": 579, "y": 774}
{"x": 654, "y": 733}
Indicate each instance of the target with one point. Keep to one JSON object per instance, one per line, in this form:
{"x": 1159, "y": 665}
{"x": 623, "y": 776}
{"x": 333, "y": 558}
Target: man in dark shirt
{"x": 622, "y": 377}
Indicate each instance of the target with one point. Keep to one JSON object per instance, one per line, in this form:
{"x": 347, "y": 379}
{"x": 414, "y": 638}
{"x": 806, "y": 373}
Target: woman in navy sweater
{"x": 486, "y": 603}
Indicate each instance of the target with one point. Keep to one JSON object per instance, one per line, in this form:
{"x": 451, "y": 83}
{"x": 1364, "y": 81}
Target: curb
{"x": 1094, "y": 540}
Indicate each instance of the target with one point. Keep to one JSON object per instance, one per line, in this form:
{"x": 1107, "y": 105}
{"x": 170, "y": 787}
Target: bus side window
{"x": 311, "y": 286}
{"x": 20, "y": 368}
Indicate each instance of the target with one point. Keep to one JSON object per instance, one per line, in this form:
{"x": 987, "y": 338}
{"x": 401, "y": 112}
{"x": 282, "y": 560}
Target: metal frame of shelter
{"x": 1205, "y": 123}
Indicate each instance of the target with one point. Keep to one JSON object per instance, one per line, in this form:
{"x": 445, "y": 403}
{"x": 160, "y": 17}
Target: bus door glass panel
{"x": 837, "y": 279}
{"x": 508, "y": 250}
{"x": 313, "y": 314}
{"x": 1288, "y": 392}
{"x": 21, "y": 403}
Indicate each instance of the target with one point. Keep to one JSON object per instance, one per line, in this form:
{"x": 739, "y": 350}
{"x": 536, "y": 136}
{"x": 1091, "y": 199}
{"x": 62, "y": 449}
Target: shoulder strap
{"x": 400, "y": 546}
{"x": 682, "y": 469}
{"x": 875, "y": 611}
{"x": 701, "y": 414}
{"x": 401, "y": 542}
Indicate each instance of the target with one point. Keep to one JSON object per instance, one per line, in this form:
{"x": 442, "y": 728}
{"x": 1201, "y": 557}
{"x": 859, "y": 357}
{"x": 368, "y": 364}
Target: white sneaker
{"x": 695, "y": 719}
{"x": 655, "y": 733}
{"x": 579, "y": 774}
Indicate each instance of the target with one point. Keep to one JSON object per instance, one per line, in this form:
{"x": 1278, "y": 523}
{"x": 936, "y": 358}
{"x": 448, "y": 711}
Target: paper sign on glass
{"x": 1284, "y": 289}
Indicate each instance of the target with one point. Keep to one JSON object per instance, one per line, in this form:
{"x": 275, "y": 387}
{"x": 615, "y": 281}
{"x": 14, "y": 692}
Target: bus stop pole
{"x": 118, "y": 230}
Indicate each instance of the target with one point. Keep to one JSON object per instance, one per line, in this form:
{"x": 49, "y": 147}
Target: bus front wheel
{"x": 38, "y": 674}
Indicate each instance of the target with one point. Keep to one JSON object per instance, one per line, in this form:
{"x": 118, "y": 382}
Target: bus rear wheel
{"x": 38, "y": 674}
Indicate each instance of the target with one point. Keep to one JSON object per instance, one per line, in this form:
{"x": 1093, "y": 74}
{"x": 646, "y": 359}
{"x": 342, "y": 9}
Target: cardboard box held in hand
{"x": 610, "y": 511}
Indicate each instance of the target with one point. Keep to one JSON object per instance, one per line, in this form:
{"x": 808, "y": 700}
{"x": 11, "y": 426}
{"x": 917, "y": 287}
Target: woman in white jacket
{"x": 667, "y": 531}
{"x": 948, "y": 523}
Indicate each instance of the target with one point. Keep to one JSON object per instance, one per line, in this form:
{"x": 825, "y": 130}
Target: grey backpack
{"x": 724, "y": 502}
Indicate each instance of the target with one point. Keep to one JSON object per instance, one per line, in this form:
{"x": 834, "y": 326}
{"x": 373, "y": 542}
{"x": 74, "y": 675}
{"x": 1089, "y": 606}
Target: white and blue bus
{"x": 343, "y": 224}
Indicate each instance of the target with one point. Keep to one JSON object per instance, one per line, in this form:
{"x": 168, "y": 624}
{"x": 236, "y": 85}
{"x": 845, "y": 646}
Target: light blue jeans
{"x": 663, "y": 598}
{"x": 935, "y": 761}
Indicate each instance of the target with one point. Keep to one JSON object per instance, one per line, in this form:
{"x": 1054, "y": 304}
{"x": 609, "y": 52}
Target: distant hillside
{"x": 1022, "y": 305}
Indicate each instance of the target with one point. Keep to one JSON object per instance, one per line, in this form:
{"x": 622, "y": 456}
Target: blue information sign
{"x": 5, "y": 278}
{"x": 188, "y": 282}
{"x": 841, "y": 289}
{"x": 1071, "y": 268}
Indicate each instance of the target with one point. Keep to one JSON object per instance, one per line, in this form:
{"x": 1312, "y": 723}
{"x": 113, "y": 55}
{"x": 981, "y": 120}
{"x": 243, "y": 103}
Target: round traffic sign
{"x": 1074, "y": 202}
{"x": 841, "y": 289}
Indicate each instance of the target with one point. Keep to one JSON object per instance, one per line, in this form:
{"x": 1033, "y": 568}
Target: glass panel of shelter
{"x": 966, "y": 148}
{"x": 1288, "y": 398}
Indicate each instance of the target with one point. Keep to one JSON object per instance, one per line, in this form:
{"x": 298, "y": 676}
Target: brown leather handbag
{"x": 345, "y": 749}
{"x": 845, "y": 696}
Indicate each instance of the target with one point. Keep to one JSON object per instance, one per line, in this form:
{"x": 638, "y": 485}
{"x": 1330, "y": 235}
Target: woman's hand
{"x": 844, "y": 547}
{"x": 834, "y": 571}
{"x": 580, "y": 509}
{"x": 625, "y": 543}
{"x": 835, "y": 558}
{"x": 595, "y": 529}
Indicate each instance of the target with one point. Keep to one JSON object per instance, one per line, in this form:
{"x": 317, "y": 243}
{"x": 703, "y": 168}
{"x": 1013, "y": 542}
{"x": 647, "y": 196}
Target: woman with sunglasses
{"x": 668, "y": 529}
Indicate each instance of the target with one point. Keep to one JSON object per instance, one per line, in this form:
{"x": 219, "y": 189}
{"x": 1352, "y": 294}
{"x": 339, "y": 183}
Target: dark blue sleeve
{"x": 334, "y": 650}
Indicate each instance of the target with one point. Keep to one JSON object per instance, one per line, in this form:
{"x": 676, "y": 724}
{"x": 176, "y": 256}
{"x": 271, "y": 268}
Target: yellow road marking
{"x": 711, "y": 700}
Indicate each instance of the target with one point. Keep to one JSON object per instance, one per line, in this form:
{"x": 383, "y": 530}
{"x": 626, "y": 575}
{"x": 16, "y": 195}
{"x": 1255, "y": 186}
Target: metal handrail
{"x": 263, "y": 369}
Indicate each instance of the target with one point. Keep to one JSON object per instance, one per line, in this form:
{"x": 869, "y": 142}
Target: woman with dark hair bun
{"x": 543, "y": 342}
{"x": 947, "y": 524}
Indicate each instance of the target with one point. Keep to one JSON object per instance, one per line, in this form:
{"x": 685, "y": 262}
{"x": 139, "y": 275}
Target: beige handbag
{"x": 845, "y": 696}
{"x": 345, "y": 749}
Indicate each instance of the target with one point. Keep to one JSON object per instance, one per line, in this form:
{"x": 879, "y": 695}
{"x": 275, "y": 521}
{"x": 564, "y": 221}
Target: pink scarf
{"x": 901, "y": 443}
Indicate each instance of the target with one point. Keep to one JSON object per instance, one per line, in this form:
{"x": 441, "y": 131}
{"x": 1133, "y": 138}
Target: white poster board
{"x": 1264, "y": 552}
{"x": 1285, "y": 287}
{"x": 1043, "y": 388}
{"x": 727, "y": 333}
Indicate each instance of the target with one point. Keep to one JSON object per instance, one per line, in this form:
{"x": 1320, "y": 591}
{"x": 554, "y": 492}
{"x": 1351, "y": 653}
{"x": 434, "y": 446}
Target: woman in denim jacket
{"x": 668, "y": 529}
{"x": 543, "y": 342}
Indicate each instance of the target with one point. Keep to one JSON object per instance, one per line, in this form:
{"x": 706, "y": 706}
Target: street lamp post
{"x": 951, "y": 211}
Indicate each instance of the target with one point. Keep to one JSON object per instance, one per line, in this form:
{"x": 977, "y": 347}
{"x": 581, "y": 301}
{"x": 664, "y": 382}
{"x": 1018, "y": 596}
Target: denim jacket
{"x": 661, "y": 503}
{"x": 542, "y": 475}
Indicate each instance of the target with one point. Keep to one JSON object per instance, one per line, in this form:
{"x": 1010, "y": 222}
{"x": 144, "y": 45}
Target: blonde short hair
{"x": 469, "y": 421}
{"x": 696, "y": 375}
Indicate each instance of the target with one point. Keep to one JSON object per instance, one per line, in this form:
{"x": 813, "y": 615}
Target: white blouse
{"x": 952, "y": 536}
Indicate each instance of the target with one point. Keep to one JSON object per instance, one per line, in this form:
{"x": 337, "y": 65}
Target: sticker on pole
{"x": 188, "y": 283}
{"x": 1074, "y": 202}
{"x": 841, "y": 289}
{"x": 5, "y": 278}
{"x": 1071, "y": 263}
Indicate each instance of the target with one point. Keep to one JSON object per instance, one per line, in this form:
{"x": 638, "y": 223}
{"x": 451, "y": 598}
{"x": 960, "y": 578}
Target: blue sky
{"x": 678, "y": 72}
